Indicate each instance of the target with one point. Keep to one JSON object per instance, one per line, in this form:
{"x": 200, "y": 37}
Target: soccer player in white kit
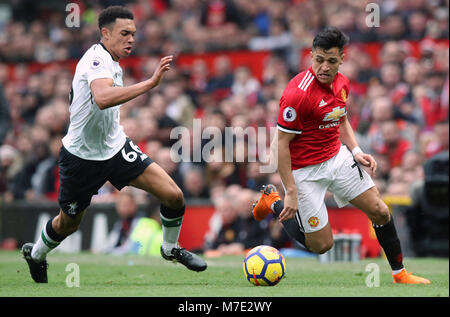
{"x": 96, "y": 149}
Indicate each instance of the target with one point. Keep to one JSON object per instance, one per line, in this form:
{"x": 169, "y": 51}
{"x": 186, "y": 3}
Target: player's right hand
{"x": 164, "y": 66}
{"x": 368, "y": 161}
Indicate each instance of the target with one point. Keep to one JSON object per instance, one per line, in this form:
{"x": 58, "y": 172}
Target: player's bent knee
{"x": 175, "y": 199}
{"x": 380, "y": 214}
{"x": 325, "y": 248}
{"x": 321, "y": 247}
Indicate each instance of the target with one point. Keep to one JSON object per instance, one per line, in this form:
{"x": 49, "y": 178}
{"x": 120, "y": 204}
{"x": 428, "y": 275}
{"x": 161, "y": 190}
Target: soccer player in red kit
{"x": 318, "y": 152}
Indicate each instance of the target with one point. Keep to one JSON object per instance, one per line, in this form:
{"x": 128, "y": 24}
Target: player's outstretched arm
{"x": 106, "y": 95}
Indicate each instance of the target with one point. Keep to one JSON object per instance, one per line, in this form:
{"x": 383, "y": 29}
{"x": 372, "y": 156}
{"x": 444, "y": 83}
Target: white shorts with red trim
{"x": 340, "y": 175}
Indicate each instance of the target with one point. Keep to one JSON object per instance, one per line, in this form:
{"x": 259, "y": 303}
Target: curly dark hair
{"x": 330, "y": 37}
{"x": 110, "y": 14}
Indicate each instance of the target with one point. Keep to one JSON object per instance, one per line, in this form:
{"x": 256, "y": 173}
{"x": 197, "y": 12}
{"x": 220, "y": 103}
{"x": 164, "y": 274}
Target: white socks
{"x": 43, "y": 246}
{"x": 397, "y": 271}
{"x": 171, "y": 231}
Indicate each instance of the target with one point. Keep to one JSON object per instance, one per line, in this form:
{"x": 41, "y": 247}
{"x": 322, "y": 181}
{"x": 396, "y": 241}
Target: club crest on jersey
{"x": 344, "y": 95}
{"x": 335, "y": 114}
{"x": 313, "y": 221}
{"x": 72, "y": 208}
{"x": 289, "y": 114}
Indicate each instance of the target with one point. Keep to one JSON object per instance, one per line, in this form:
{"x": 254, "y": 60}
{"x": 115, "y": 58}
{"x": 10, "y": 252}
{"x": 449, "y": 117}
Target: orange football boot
{"x": 405, "y": 277}
{"x": 261, "y": 208}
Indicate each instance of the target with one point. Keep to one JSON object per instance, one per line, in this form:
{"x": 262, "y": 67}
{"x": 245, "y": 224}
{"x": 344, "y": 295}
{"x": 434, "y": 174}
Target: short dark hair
{"x": 330, "y": 37}
{"x": 110, "y": 14}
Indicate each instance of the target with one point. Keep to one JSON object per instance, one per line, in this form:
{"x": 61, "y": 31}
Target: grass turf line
{"x": 123, "y": 276}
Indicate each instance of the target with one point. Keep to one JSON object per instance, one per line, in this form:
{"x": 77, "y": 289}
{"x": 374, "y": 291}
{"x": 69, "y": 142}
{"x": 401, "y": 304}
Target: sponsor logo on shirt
{"x": 334, "y": 116}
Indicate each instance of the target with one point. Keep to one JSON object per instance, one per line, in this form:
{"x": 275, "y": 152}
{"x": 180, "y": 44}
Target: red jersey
{"x": 313, "y": 111}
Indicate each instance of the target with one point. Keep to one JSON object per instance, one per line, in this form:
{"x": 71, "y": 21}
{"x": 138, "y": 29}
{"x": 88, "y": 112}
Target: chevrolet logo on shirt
{"x": 336, "y": 114}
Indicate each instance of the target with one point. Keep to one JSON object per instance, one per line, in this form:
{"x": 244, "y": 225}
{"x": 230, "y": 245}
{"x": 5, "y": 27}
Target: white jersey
{"x": 94, "y": 134}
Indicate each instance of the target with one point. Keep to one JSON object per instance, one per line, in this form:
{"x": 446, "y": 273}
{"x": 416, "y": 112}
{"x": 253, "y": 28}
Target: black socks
{"x": 291, "y": 226}
{"x": 389, "y": 241}
{"x": 52, "y": 233}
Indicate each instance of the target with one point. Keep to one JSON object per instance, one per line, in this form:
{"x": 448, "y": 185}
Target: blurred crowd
{"x": 37, "y": 31}
{"x": 399, "y": 108}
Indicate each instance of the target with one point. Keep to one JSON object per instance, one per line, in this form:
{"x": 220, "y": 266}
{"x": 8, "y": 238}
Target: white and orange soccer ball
{"x": 264, "y": 266}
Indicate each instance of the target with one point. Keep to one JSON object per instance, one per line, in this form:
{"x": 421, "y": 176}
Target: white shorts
{"x": 340, "y": 175}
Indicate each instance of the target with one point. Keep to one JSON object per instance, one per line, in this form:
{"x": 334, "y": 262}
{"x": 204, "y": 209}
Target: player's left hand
{"x": 367, "y": 160}
{"x": 164, "y": 66}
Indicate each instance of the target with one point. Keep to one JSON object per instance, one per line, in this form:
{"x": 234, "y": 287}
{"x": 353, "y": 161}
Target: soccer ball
{"x": 264, "y": 266}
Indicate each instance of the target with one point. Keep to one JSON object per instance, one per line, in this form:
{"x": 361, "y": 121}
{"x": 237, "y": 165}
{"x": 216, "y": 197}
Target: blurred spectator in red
{"x": 430, "y": 99}
{"x": 394, "y": 146}
{"x": 199, "y": 76}
{"x": 223, "y": 22}
{"x": 440, "y": 141}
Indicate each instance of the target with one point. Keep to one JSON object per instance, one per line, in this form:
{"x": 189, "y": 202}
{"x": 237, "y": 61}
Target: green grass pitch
{"x": 124, "y": 276}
